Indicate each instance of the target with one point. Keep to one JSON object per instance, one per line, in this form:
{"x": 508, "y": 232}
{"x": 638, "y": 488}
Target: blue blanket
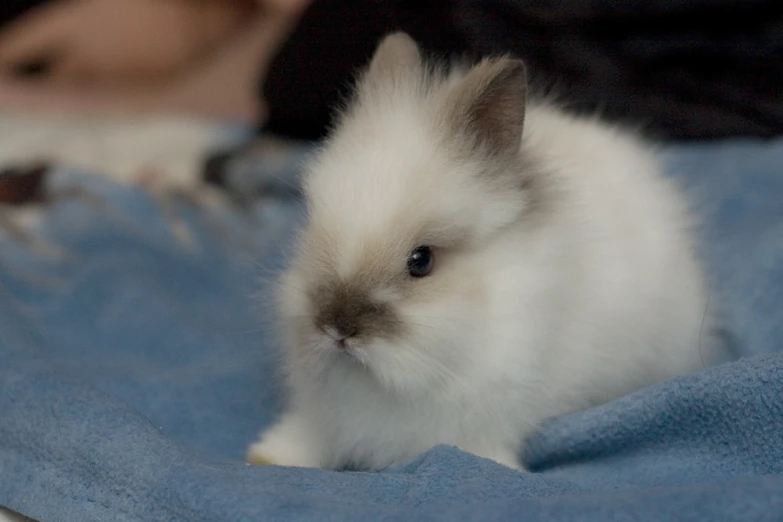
{"x": 135, "y": 370}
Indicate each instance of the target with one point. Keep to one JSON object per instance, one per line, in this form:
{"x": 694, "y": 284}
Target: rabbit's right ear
{"x": 396, "y": 57}
{"x": 489, "y": 105}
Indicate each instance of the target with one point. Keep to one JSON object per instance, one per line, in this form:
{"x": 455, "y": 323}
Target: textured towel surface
{"x": 134, "y": 371}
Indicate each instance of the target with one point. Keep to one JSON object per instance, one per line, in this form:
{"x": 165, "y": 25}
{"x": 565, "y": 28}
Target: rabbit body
{"x": 473, "y": 263}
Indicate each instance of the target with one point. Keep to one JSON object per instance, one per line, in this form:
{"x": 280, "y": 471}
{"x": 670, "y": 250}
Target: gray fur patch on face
{"x": 348, "y": 309}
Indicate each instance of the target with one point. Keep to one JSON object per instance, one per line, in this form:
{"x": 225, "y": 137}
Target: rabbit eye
{"x": 420, "y": 261}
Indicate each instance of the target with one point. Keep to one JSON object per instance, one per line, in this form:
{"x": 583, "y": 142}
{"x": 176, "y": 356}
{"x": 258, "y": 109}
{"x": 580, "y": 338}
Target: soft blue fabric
{"x": 135, "y": 370}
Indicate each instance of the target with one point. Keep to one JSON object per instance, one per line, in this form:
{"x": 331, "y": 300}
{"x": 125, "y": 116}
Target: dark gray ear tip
{"x": 505, "y": 73}
{"x": 521, "y": 67}
{"x": 491, "y": 101}
{"x": 513, "y": 69}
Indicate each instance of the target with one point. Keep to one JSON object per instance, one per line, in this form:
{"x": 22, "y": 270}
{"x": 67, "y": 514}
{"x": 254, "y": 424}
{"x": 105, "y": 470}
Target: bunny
{"x": 473, "y": 263}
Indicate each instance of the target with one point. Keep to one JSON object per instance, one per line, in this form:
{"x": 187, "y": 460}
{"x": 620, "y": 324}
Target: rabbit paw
{"x": 289, "y": 442}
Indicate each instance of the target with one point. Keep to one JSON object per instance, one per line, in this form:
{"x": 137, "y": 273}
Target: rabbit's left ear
{"x": 397, "y": 54}
{"x": 488, "y": 105}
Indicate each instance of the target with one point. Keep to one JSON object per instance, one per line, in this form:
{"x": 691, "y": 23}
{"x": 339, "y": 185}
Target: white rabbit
{"x": 460, "y": 280}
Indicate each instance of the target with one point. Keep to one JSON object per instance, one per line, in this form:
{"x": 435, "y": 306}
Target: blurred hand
{"x": 109, "y": 41}
{"x": 196, "y": 56}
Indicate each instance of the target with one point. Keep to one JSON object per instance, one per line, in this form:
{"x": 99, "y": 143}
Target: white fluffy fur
{"x": 592, "y": 294}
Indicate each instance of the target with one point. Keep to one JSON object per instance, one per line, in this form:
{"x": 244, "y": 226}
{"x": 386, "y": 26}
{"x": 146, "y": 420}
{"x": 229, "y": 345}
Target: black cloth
{"x": 689, "y": 69}
{"x": 10, "y": 10}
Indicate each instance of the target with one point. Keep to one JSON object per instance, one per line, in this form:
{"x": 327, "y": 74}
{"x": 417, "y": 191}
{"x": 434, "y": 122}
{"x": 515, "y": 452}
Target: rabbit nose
{"x": 345, "y": 312}
{"x": 339, "y": 324}
{"x": 344, "y": 332}
{"x": 343, "y": 326}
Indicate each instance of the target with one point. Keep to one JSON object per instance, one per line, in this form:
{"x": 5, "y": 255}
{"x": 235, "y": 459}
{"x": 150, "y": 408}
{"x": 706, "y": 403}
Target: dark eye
{"x": 420, "y": 261}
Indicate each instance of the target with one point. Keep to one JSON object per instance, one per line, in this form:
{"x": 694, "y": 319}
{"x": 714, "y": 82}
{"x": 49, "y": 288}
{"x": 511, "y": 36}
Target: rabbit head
{"x": 406, "y": 203}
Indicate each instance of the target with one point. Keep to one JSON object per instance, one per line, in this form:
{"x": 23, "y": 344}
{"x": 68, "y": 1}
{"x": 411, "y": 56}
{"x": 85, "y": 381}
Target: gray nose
{"x": 349, "y": 312}
{"x": 346, "y": 330}
{"x": 344, "y": 320}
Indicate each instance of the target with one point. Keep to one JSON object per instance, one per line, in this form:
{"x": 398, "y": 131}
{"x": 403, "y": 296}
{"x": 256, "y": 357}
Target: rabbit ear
{"x": 396, "y": 54}
{"x": 489, "y": 104}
